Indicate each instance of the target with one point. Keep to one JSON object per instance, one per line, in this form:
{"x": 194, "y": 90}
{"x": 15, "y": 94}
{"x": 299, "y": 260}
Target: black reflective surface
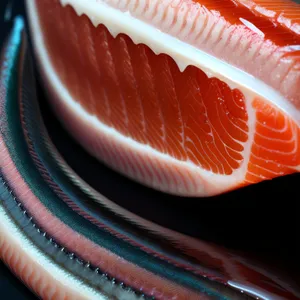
{"x": 262, "y": 220}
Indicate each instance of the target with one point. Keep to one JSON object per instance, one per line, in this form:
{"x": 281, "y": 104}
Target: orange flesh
{"x": 274, "y": 18}
{"x": 145, "y": 96}
{"x": 275, "y": 150}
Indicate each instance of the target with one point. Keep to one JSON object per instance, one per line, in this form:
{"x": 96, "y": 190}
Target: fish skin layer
{"x": 48, "y": 245}
{"x": 19, "y": 248}
{"x": 45, "y": 278}
{"x": 177, "y": 130}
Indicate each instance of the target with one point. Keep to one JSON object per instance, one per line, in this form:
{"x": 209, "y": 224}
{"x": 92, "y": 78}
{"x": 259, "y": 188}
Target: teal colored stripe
{"x": 14, "y": 139}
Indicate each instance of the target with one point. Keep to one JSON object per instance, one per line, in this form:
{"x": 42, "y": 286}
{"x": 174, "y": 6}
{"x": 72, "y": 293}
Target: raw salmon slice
{"x": 62, "y": 248}
{"x": 189, "y": 97}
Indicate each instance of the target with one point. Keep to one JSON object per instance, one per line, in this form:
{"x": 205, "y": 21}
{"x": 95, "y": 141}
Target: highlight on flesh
{"x": 62, "y": 248}
{"x": 180, "y": 95}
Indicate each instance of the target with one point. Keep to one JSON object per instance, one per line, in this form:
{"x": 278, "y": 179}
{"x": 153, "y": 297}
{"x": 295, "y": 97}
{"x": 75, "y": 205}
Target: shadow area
{"x": 261, "y": 220}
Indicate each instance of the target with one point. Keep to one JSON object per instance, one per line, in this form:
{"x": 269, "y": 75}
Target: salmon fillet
{"x": 62, "y": 248}
{"x": 190, "y": 97}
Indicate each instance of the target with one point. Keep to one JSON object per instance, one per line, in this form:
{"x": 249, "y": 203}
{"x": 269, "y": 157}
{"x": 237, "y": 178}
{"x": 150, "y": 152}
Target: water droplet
{"x": 264, "y": 122}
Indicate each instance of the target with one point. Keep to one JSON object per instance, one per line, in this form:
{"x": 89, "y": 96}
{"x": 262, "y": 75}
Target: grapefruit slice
{"x": 189, "y": 97}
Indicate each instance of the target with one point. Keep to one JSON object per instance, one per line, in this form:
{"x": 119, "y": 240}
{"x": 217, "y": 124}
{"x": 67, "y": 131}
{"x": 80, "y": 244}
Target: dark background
{"x": 10, "y": 287}
{"x": 239, "y": 226}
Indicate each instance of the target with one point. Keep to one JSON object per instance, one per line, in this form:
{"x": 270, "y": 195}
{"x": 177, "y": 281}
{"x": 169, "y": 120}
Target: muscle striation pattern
{"x": 182, "y": 131}
{"x": 257, "y": 36}
{"x": 64, "y": 246}
{"x": 275, "y": 149}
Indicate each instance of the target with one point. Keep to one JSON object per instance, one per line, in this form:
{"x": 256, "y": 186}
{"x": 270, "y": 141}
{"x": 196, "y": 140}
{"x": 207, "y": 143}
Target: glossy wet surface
{"x": 180, "y": 118}
{"x": 261, "y": 220}
{"x": 255, "y": 219}
{"x": 251, "y": 214}
{"x": 145, "y": 96}
{"x": 11, "y": 286}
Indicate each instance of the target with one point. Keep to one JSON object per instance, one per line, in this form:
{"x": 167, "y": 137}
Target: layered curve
{"x": 183, "y": 130}
{"x": 63, "y": 246}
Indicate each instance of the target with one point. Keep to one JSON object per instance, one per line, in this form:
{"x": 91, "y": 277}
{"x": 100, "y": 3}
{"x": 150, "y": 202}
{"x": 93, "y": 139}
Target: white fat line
{"x": 218, "y": 181}
{"x": 215, "y": 181}
{"x": 184, "y": 55}
{"x": 251, "y": 134}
